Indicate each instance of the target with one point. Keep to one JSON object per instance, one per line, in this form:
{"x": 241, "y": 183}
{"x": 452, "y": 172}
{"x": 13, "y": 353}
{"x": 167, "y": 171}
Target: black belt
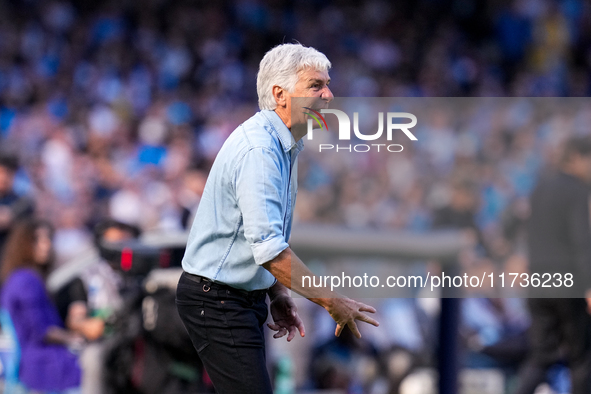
{"x": 208, "y": 284}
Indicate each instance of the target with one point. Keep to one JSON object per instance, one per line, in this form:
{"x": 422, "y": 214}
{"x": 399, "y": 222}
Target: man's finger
{"x": 292, "y": 333}
{"x": 300, "y": 325}
{"x": 367, "y": 308}
{"x": 273, "y": 326}
{"x": 367, "y": 319}
{"x": 338, "y": 330}
{"x": 354, "y": 329}
{"x": 281, "y": 333}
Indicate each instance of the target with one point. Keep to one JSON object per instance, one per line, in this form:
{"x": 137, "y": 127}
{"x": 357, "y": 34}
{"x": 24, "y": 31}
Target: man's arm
{"x": 287, "y": 266}
{"x": 260, "y": 189}
{"x": 91, "y": 328}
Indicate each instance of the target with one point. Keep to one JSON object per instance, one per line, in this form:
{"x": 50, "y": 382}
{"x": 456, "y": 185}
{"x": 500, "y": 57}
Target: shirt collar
{"x": 284, "y": 134}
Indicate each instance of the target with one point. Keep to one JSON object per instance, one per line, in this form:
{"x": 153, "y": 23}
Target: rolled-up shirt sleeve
{"x": 260, "y": 195}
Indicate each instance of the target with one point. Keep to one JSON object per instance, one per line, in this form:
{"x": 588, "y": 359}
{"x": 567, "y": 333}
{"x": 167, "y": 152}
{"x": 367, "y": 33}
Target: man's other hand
{"x": 285, "y": 317}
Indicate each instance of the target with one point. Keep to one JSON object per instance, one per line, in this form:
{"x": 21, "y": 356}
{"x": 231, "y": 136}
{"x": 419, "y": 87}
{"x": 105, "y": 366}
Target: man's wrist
{"x": 326, "y": 303}
{"x": 278, "y": 290}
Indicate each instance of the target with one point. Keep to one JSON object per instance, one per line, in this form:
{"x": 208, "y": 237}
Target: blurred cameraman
{"x": 92, "y": 298}
{"x": 12, "y": 206}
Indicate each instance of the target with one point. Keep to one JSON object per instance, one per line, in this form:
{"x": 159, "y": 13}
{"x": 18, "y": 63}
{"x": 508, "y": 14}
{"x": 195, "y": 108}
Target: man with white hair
{"x": 237, "y": 251}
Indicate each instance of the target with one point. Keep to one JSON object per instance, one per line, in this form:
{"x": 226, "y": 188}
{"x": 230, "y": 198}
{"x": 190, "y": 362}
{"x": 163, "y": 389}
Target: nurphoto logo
{"x": 392, "y": 120}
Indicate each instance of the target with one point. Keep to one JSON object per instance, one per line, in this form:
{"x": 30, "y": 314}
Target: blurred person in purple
{"x": 48, "y": 363}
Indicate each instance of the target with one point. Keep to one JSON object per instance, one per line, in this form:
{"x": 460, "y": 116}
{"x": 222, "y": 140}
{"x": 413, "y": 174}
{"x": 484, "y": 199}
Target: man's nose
{"x": 327, "y": 94}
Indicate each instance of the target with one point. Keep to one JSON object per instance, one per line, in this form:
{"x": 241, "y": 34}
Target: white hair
{"x": 281, "y": 66}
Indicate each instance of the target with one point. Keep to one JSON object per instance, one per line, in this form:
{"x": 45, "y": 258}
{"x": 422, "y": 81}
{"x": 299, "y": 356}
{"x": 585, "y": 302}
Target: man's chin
{"x": 299, "y": 127}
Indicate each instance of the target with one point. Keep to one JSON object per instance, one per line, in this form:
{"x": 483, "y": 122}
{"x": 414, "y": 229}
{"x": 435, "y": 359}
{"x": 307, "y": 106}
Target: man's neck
{"x": 284, "y": 116}
{"x": 297, "y": 132}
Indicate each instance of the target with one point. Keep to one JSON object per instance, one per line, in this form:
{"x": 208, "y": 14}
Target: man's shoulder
{"x": 562, "y": 188}
{"x": 258, "y": 132}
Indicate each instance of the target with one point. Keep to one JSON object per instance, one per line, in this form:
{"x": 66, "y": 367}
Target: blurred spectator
{"x": 460, "y": 212}
{"x": 47, "y": 363}
{"x": 72, "y": 238}
{"x": 190, "y": 194}
{"x": 559, "y": 240}
{"x": 410, "y": 339}
{"x": 495, "y": 330}
{"x": 345, "y": 363}
{"x": 12, "y": 206}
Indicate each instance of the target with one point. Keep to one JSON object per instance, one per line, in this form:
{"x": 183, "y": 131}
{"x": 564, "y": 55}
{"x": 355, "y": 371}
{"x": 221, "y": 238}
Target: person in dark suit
{"x": 559, "y": 241}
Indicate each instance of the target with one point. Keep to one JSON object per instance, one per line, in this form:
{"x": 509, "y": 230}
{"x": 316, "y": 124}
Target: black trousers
{"x": 560, "y": 330}
{"x": 226, "y": 328}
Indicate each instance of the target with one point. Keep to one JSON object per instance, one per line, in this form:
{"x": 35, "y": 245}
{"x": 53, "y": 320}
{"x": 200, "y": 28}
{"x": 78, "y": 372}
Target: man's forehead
{"x": 308, "y": 75}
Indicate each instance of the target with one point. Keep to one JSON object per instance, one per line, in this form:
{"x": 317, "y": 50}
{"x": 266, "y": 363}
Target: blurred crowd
{"x": 118, "y": 108}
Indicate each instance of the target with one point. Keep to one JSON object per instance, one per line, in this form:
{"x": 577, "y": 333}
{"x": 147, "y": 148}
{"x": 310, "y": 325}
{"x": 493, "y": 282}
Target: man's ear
{"x": 280, "y": 96}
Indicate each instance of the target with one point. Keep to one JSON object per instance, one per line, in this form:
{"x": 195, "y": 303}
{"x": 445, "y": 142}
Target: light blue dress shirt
{"x": 245, "y": 214}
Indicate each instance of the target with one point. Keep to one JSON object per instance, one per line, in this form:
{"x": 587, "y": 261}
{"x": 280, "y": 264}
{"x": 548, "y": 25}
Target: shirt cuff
{"x": 268, "y": 249}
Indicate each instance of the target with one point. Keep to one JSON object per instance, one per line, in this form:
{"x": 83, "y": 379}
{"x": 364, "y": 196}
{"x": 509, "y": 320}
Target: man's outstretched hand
{"x": 287, "y": 266}
{"x": 345, "y": 311}
{"x": 285, "y": 317}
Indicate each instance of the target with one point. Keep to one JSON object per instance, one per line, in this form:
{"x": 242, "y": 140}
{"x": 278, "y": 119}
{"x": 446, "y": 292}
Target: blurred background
{"x": 116, "y": 110}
